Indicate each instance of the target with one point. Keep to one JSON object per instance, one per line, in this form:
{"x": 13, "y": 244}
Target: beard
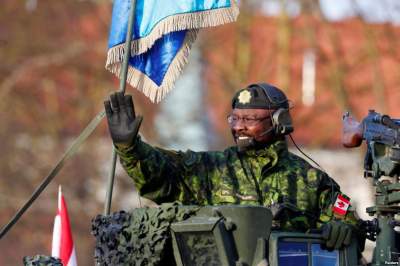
{"x": 245, "y": 143}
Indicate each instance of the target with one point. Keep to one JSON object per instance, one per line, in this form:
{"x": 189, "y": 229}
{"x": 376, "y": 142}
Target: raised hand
{"x": 122, "y": 121}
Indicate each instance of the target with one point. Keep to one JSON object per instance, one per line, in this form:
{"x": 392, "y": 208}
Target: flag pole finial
{"x": 59, "y": 197}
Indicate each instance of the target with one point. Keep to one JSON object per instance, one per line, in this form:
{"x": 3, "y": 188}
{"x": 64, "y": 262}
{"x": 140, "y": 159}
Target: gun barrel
{"x": 387, "y": 121}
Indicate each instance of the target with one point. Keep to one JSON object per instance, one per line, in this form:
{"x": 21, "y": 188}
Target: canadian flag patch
{"x": 341, "y": 205}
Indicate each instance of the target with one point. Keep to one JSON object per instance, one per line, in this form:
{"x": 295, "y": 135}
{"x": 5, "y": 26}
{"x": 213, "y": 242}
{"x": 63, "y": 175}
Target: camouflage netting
{"x": 41, "y": 260}
{"x": 141, "y": 237}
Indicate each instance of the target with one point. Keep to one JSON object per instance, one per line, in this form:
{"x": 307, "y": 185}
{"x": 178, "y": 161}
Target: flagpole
{"x": 122, "y": 85}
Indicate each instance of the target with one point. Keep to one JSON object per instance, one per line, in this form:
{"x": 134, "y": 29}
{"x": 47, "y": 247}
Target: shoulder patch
{"x": 341, "y": 206}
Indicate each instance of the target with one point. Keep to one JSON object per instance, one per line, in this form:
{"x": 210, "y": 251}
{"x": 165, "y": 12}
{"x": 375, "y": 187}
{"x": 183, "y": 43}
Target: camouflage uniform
{"x": 299, "y": 195}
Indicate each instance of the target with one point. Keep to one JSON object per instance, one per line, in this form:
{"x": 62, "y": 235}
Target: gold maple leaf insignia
{"x": 244, "y": 97}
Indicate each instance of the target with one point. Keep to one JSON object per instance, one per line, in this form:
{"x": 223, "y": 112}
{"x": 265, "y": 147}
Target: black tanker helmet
{"x": 260, "y": 96}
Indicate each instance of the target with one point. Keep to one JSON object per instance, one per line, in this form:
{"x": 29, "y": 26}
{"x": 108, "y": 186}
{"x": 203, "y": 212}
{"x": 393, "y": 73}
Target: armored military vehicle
{"x": 213, "y": 235}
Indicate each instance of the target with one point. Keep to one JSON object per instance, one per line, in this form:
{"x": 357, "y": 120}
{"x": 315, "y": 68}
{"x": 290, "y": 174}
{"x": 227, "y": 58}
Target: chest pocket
{"x": 225, "y": 191}
{"x": 276, "y": 189}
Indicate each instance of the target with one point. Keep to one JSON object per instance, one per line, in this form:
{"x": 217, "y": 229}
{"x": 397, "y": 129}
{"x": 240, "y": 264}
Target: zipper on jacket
{"x": 246, "y": 166}
{"x": 260, "y": 197}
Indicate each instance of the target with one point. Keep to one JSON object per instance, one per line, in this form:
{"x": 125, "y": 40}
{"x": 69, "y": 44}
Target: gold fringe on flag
{"x": 144, "y": 84}
{"x": 188, "y": 21}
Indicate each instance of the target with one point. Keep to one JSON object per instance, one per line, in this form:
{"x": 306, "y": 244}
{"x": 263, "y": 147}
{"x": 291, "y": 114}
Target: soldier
{"x": 259, "y": 170}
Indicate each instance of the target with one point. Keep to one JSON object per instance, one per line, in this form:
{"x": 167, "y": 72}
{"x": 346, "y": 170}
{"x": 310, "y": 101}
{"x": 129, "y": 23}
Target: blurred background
{"x": 328, "y": 56}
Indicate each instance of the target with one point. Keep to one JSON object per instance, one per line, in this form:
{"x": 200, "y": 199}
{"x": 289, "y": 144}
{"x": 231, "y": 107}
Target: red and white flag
{"x": 63, "y": 246}
{"x": 341, "y": 205}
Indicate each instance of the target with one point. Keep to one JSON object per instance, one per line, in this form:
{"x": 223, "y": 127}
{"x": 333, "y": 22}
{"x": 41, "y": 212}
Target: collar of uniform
{"x": 273, "y": 150}
{"x": 268, "y": 156}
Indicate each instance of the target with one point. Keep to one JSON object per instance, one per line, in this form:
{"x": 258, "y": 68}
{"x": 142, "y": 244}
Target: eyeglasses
{"x": 249, "y": 121}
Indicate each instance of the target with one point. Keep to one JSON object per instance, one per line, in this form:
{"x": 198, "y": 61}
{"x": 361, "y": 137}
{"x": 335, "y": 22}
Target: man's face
{"x": 252, "y": 123}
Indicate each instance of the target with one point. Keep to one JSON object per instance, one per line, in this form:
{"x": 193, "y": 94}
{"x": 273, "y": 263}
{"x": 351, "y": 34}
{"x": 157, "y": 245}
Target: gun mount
{"x": 382, "y": 163}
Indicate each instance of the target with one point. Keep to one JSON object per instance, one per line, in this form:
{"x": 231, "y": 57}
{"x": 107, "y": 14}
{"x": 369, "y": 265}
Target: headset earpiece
{"x": 281, "y": 119}
{"x": 282, "y": 122}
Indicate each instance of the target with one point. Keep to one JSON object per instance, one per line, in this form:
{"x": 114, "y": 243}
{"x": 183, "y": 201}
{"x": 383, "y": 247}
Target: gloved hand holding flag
{"x": 162, "y": 35}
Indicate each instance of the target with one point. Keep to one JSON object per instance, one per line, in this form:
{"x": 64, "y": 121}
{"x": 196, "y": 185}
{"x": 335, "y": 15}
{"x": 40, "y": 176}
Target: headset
{"x": 281, "y": 119}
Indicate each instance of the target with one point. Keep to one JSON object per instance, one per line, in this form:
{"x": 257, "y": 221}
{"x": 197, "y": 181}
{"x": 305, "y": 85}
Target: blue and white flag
{"x": 162, "y": 36}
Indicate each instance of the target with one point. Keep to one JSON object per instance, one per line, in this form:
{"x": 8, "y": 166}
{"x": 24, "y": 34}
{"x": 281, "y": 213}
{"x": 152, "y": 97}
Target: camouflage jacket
{"x": 299, "y": 195}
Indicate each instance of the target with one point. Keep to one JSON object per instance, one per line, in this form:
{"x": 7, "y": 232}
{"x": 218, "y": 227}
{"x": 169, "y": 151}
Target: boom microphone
{"x": 244, "y": 142}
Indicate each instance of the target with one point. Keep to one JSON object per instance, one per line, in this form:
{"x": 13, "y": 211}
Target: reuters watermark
{"x": 392, "y": 263}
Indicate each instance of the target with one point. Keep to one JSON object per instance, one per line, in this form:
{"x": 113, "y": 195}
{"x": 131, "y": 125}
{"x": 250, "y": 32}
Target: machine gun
{"x": 382, "y": 163}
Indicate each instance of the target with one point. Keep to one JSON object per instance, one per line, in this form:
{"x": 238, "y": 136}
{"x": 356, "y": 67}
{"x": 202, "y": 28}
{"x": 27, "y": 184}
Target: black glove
{"x": 336, "y": 234}
{"x": 122, "y": 121}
